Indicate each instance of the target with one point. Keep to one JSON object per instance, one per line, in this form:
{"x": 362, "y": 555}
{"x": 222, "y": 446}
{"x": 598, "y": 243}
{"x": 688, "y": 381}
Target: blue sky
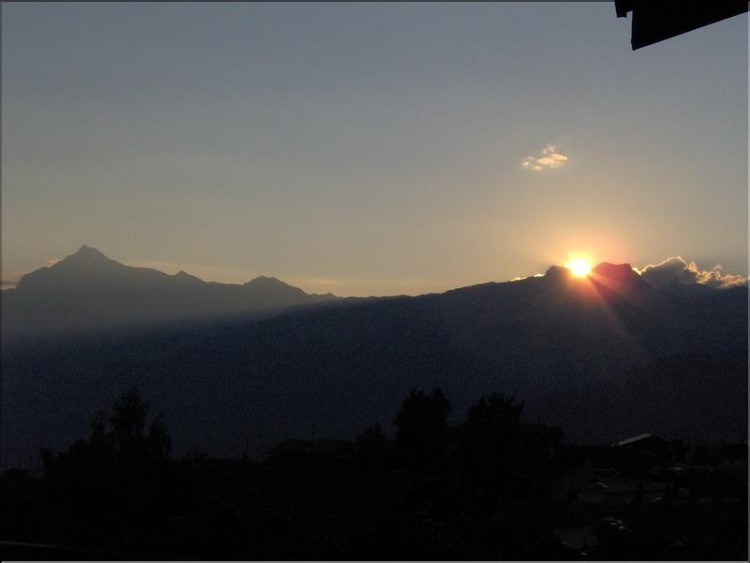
{"x": 369, "y": 148}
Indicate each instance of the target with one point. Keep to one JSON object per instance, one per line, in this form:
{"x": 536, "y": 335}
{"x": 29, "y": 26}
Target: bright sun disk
{"x": 579, "y": 267}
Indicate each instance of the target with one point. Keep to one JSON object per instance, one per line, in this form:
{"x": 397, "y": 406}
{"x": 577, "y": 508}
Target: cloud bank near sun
{"x": 548, "y": 159}
{"x": 677, "y": 269}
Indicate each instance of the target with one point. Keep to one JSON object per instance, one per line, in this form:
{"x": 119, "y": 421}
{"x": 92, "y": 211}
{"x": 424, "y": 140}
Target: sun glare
{"x": 579, "y": 267}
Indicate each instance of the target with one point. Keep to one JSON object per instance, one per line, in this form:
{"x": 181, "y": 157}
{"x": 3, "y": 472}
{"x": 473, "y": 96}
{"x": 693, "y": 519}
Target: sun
{"x": 579, "y": 267}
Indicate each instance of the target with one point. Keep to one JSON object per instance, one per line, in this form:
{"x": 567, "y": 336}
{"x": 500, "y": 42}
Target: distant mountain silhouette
{"x": 604, "y": 358}
{"x": 87, "y": 290}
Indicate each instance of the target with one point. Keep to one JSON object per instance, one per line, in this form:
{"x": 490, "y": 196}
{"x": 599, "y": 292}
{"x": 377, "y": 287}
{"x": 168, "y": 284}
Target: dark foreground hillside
{"x": 490, "y": 488}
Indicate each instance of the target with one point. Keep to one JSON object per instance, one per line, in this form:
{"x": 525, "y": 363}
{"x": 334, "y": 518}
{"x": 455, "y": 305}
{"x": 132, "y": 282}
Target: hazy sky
{"x": 369, "y": 148}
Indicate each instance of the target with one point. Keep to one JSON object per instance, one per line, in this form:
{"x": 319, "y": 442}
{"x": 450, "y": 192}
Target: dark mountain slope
{"x": 604, "y": 358}
{"x": 88, "y": 291}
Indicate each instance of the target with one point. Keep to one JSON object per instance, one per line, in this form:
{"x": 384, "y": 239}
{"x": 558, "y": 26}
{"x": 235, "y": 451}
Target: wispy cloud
{"x": 677, "y": 269}
{"x": 548, "y": 159}
{"x": 7, "y": 284}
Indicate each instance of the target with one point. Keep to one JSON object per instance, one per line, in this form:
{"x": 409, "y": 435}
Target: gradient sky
{"x": 369, "y": 148}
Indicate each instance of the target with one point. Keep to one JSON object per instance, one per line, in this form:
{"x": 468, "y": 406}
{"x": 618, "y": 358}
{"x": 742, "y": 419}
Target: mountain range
{"x": 88, "y": 291}
{"x": 603, "y": 357}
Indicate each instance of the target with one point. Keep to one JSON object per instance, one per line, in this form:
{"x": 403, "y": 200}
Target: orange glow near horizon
{"x": 579, "y": 267}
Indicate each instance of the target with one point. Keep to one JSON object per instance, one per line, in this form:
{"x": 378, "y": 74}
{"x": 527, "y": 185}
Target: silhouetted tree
{"x": 159, "y": 441}
{"x": 98, "y": 428}
{"x": 489, "y": 439}
{"x": 124, "y": 442}
{"x": 493, "y": 421}
{"x": 129, "y": 420}
{"x": 119, "y": 474}
{"x": 421, "y": 428}
{"x": 372, "y": 449}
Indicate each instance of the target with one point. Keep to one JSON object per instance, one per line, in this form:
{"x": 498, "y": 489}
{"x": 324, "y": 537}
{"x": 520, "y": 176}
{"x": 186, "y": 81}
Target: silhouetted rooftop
{"x": 657, "y": 21}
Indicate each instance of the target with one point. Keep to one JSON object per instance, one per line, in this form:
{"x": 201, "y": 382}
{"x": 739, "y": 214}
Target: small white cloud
{"x": 548, "y": 159}
{"x": 677, "y": 269}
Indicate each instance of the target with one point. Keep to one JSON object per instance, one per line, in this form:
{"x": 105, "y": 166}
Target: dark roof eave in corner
{"x": 657, "y": 21}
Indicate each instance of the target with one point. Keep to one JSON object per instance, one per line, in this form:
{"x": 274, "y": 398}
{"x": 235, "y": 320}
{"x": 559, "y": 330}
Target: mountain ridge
{"x": 90, "y": 258}
{"x": 89, "y": 291}
{"x": 601, "y": 357}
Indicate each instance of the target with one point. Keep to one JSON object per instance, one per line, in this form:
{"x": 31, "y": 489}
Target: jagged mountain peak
{"x": 74, "y": 269}
{"x": 266, "y": 282}
{"x": 86, "y": 254}
{"x": 621, "y": 272}
{"x": 182, "y": 275}
{"x": 87, "y": 290}
{"x": 555, "y": 272}
{"x": 86, "y": 250}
